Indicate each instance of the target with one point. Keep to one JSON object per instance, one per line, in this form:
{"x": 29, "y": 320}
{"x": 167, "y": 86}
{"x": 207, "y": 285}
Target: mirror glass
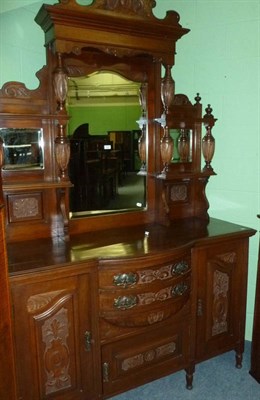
{"x": 23, "y": 148}
{"x": 182, "y": 139}
{"x": 103, "y": 130}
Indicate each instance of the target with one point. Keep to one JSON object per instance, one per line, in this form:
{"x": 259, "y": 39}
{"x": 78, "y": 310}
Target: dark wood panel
{"x": 255, "y": 351}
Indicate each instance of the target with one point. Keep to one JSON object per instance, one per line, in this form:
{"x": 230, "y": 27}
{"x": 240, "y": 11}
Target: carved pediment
{"x": 141, "y": 8}
{"x": 135, "y": 7}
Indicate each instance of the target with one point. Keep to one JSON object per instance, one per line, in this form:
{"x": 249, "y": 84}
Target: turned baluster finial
{"x": 60, "y": 83}
{"x": 62, "y": 152}
{"x": 208, "y": 141}
{"x": 142, "y": 122}
{"x": 167, "y": 97}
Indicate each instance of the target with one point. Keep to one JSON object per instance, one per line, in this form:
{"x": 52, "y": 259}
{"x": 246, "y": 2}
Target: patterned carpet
{"x": 215, "y": 379}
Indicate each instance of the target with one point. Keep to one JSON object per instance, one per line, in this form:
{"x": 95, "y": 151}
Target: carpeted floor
{"x": 215, "y": 379}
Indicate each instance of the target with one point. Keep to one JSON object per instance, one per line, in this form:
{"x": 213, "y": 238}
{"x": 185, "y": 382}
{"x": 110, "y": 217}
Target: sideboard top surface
{"x": 140, "y": 241}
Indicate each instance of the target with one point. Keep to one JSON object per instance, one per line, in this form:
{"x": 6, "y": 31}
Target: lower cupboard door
{"x": 142, "y": 358}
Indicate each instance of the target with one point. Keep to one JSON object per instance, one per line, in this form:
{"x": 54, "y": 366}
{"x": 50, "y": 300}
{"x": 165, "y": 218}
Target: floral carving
{"x": 55, "y": 332}
{"x": 220, "y": 302}
{"x": 179, "y": 193}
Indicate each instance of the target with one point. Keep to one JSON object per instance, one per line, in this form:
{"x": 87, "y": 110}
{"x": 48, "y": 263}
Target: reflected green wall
{"x": 220, "y": 59}
{"x": 104, "y": 119}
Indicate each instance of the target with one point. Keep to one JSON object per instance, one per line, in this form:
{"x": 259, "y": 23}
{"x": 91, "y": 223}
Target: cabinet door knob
{"x": 88, "y": 340}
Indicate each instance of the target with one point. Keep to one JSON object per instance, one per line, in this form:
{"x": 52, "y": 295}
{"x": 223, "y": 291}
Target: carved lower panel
{"x": 220, "y": 302}
{"x": 179, "y": 193}
{"x": 148, "y": 356}
{"x": 27, "y": 206}
{"x": 55, "y": 332}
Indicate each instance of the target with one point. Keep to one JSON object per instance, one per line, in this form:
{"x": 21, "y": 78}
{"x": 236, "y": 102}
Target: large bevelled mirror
{"x": 104, "y": 132}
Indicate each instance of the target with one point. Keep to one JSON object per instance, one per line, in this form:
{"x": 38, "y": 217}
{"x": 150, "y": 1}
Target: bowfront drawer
{"x": 143, "y": 292}
{"x": 142, "y": 271}
{"x": 139, "y": 298}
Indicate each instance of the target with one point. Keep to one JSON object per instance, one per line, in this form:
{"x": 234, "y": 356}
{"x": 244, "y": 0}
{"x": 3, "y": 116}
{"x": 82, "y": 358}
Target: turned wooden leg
{"x": 189, "y": 376}
{"x": 239, "y": 359}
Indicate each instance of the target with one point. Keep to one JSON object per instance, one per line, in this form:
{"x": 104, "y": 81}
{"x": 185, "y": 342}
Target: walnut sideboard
{"x": 104, "y": 312}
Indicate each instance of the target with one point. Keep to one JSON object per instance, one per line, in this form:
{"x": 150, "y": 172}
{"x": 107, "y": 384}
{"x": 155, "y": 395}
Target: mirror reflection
{"x": 182, "y": 149}
{"x": 23, "y": 148}
{"x": 104, "y": 109}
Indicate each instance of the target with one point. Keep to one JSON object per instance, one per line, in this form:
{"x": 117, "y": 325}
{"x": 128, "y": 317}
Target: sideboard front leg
{"x": 189, "y": 376}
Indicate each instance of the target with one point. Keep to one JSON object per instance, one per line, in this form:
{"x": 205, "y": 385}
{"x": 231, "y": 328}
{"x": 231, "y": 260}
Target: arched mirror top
{"x": 90, "y": 61}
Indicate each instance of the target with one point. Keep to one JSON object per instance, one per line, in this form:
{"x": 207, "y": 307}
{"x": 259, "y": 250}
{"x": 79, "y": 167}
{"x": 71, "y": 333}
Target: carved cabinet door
{"x": 55, "y": 337}
{"x": 221, "y": 271}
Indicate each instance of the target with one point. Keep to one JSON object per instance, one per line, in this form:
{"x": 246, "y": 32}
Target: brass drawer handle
{"x": 180, "y": 268}
{"x": 179, "y": 289}
{"x": 125, "y": 279}
{"x": 125, "y": 302}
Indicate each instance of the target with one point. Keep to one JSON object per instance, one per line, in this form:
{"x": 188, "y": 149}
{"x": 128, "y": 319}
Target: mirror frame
{"x": 126, "y": 39}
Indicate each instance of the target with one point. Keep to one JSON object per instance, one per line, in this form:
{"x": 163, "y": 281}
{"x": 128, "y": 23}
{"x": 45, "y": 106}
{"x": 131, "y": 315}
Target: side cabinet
{"x": 56, "y": 334}
{"x": 221, "y": 275}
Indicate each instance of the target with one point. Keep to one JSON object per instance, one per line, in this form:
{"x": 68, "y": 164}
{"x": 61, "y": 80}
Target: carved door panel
{"x": 54, "y": 339}
{"x": 221, "y": 298}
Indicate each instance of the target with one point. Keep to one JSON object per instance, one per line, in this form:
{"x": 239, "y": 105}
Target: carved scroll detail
{"x": 41, "y": 300}
{"x": 150, "y": 275}
{"x": 163, "y": 273}
{"x": 163, "y": 294}
{"x": 55, "y": 332}
{"x": 220, "y": 302}
{"x": 229, "y": 258}
{"x": 148, "y": 356}
{"x": 16, "y": 89}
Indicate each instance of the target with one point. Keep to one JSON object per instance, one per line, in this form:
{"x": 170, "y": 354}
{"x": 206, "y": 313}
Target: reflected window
{"x": 23, "y": 148}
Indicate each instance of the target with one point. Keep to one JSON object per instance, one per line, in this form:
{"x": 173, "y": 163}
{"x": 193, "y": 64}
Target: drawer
{"x": 142, "y": 271}
{"x": 135, "y": 307}
{"x": 142, "y": 358}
